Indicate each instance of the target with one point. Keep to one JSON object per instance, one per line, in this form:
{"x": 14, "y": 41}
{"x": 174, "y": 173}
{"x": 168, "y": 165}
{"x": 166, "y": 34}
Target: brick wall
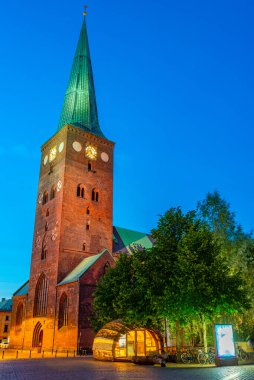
{"x": 61, "y": 236}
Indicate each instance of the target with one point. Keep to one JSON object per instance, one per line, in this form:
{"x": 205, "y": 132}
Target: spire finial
{"x": 85, "y": 12}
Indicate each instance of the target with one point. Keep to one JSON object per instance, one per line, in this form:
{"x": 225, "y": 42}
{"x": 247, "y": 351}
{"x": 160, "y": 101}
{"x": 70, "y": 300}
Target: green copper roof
{"x": 6, "y": 305}
{"x": 125, "y": 240}
{"x": 23, "y": 290}
{"x": 80, "y": 107}
{"x": 80, "y": 269}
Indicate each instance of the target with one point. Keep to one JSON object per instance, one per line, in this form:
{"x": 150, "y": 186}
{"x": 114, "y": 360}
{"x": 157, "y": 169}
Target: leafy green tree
{"x": 237, "y": 247}
{"x": 182, "y": 278}
{"x": 211, "y": 288}
{"x": 123, "y": 293}
{"x": 216, "y": 213}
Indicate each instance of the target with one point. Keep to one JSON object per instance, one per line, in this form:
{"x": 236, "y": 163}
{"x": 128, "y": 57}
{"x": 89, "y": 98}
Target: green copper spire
{"x": 80, "y": 107}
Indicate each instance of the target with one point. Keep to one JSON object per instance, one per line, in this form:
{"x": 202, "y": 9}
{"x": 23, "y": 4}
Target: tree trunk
{"x": 167, "y": 333}
{"x": 204, "y": 331}
{"x": 178, "y": 343}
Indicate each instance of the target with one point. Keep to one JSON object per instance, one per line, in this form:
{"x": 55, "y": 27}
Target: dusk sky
{"x": 175, "y": 90}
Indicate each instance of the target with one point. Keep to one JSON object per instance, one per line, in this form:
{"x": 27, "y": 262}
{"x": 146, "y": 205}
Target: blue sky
{"x": 175, "y": 89}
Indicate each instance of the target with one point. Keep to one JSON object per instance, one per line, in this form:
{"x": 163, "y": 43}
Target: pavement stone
{"x": 89, "y": 369}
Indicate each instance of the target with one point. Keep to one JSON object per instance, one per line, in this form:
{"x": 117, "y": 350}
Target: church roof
{"x": 124, "y": 240}
{"x": 23, "y": 290}
{"x": 6, "y": 305}
{"x": 80, "y": 269}
{"x": 80, "y": 108}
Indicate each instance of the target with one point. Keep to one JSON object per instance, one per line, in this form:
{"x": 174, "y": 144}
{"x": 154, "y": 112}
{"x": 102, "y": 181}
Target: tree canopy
{"x": 182, "y": 276}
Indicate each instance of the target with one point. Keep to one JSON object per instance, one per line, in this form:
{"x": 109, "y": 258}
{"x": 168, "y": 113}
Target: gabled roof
{"x": 81, "y": 269}
{"x": 80, "y": 107}
{"x": 6, "y": 305}
{"x": 23, "y": 290}
{"x": 125, "y": 240}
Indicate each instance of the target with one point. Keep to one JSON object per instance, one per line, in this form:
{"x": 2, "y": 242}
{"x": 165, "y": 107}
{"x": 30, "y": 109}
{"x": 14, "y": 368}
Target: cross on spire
{"x": 85, "y": 12}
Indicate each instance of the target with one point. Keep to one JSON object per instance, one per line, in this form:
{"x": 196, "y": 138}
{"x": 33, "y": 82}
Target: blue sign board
{"x": 225, "y": 341}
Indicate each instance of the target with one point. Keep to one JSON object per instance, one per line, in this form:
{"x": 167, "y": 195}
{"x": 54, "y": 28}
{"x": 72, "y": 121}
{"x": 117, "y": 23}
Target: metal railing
{"x": 11, "y": 354}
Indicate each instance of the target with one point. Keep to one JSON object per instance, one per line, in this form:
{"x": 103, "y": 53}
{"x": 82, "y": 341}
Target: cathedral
{"x": 74, "y": 238}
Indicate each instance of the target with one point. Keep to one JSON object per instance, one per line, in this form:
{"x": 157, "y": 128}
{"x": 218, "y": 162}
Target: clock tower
{"x": 73, "y": 222}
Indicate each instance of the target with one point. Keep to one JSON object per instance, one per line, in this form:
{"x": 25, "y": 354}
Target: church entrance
{"x": 38, "y": 337}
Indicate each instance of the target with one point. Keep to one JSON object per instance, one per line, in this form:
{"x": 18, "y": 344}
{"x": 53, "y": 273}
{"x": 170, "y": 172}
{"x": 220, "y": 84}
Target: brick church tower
{"x": 73, "y": 225}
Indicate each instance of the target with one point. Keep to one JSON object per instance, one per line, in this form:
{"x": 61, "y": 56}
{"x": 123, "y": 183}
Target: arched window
{"x": 95, "y": 195}
{"x": 45, "y": 197}
{"x": 89, "y": 166}
{"x": 81, "y": 191}
{"x": 87, "y": 211}
{"x": 41, "y": 296}
{"x": 63, "y": 311}
{"x": 106, "y": 267}
{"x": 19, "y": 314}
{"x": 53, "y": 192}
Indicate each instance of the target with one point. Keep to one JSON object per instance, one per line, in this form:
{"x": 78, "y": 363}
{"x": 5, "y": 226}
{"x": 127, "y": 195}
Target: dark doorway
{"x": 40, "y": 341}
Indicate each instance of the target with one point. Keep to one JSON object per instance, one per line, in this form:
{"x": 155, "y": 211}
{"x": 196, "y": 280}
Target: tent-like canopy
{"x": 116, "y": 341}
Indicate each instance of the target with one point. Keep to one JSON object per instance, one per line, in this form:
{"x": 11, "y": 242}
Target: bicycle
{"x": 241, "y": 354}
{"x": 206, "y": 357}
{"x": 189, "y": 356}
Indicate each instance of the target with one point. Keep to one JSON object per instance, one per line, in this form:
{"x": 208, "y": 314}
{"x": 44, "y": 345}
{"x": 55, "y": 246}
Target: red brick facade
{"x": 70, "y": 225}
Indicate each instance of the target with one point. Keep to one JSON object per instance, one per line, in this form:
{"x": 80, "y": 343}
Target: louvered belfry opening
{"x": 41, "y": 295}
{"x": 63, "y": 311}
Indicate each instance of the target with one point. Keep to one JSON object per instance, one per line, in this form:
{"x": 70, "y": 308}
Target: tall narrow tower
{"x": 74, "y": 207}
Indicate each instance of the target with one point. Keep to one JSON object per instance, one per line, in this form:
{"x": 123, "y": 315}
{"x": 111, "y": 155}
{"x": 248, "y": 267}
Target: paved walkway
{"x": 87, "y": 368}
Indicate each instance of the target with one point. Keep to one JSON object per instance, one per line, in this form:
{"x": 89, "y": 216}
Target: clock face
{"x": 104, "y": 156}
{"x": 61, "y": 146}
{"x": 52, "y": 154}
{"x": 77, "y": 146}
{"x": 91, "y": 152}
{"x": 46, "y": 159}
